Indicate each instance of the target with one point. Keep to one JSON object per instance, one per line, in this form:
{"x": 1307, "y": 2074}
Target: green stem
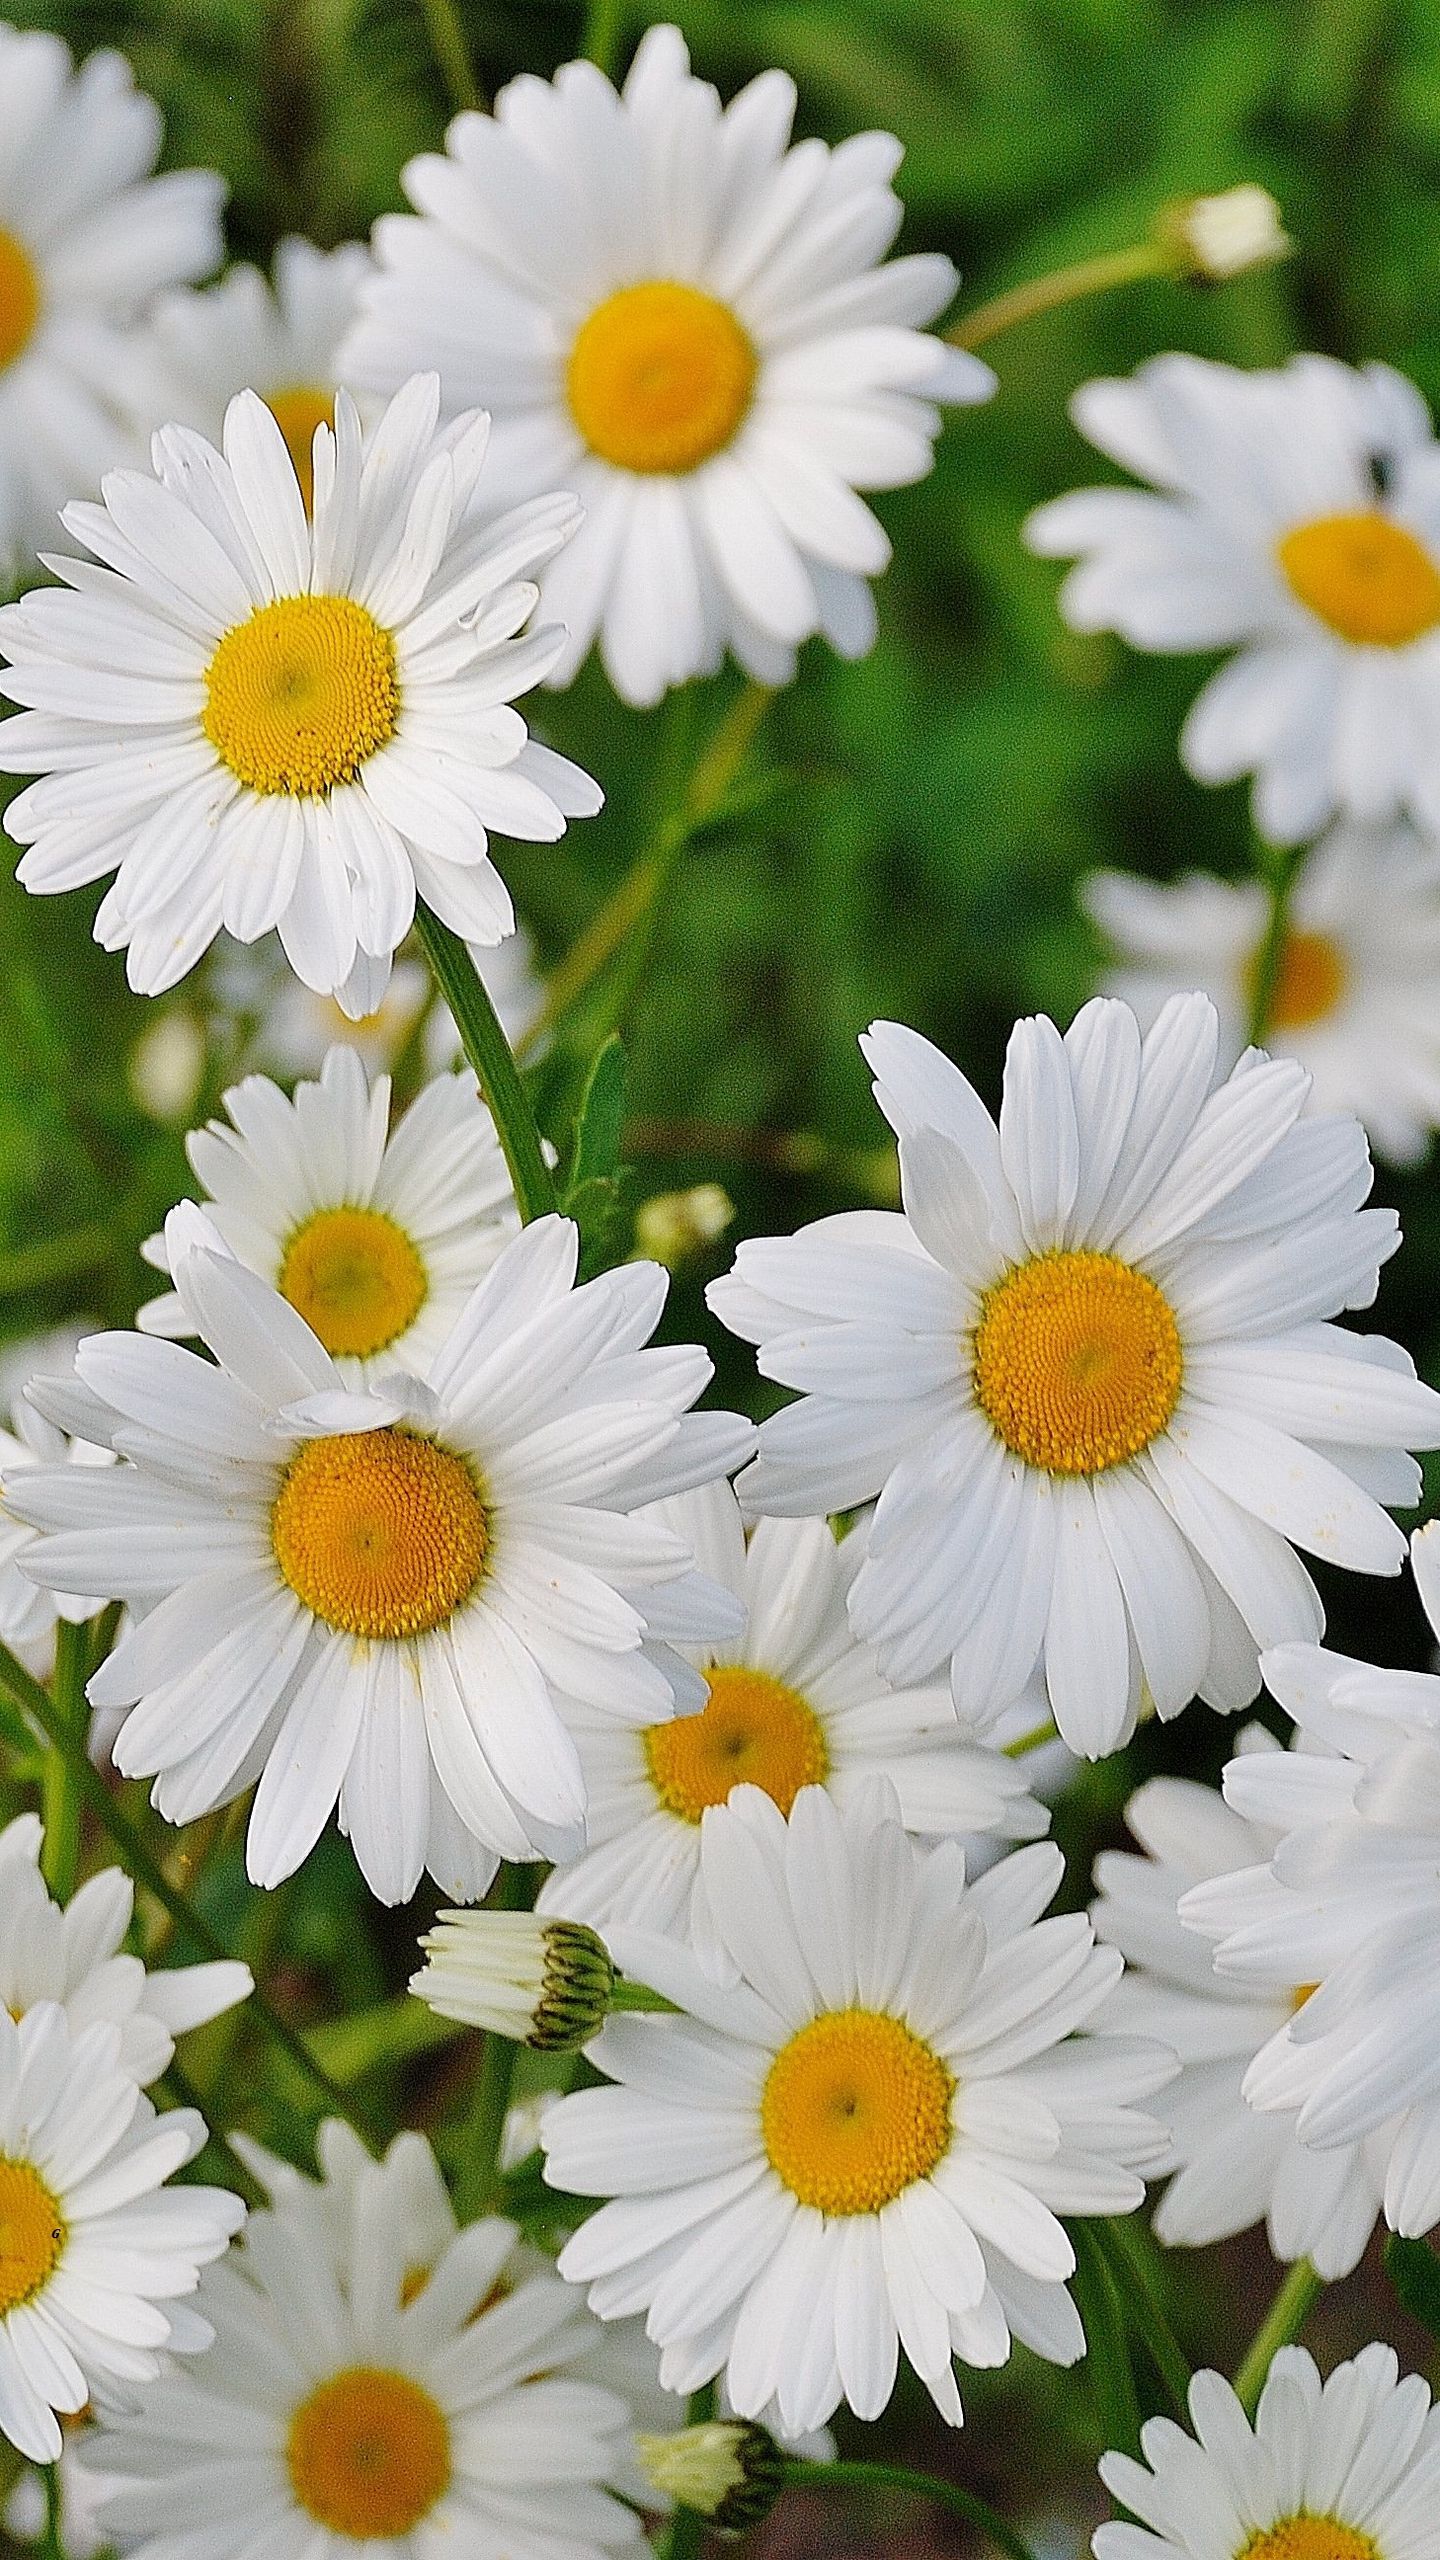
{"x": 60, "y": 1849}
{"x": 638, "y": 1997}
{"x": 478, "y": 2179}
{"x": 488, "y": 1051}
{"x": 452, "y": 53}
{"x": 919, "y": 2484}
{"x": 604, "y": 32}
{"x": 1280, "y": 868}
{"x": 1131, "y": 2255}
{"x": 52, "y": 2542}
{"x": 1035, "y": 1740}
{"x": 1294, "y": 2300}
{"x": 1067, "y": 284}
{"x": 687, "y": 2529}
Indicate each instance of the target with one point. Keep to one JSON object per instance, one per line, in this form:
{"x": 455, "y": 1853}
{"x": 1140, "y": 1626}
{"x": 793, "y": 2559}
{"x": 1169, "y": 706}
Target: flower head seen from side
{"x": 858, "y": 2137}
{"x": 794, "y": 1701}
{"x": 376, "y": 1235}
{"x": 1354, "y": 996}
{"x": 257, "y": 719}
{"x": 1294, "y": 518}
{"x": 386, "y": 1596}
{"x": 672, "y": 311}
{"x": 87, "y": 237}
{"x": 1090, "y": 1370}
{"x": 1345, "y": 2469}
{"x": 28, "y": 1615}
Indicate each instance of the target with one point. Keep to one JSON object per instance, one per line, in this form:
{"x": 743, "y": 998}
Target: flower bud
{"x": 545, "y": 1983}
{"x": 167, "y": 1065}
{"x": 1215, "y": 237}
{"x": 728, "y": 2470}
{"x": 674, "y": 1225}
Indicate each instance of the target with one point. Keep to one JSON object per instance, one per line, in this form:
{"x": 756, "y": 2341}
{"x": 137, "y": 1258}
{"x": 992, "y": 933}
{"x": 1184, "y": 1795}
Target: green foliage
{"x": 1414, "y": 2271}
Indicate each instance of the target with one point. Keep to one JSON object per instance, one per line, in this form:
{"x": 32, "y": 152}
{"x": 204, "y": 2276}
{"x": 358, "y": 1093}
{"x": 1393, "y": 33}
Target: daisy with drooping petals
{"x": 1085, "y": 1370}
{"x": 1357, "y": 992}
{"x": 377, "y": 1236}
{"x": 257, "y": 720}
{"x": 87, "y": 237}
{"x": 386, "y": 1595}
{"x": 29, "y": 1616}
{"x": 1346, "y": 2469}
{"x": 668, "y": 309}
{"x": 861, "y": 2137}
{"x": 795, "y": 1701}
{"x": 1295, "y": 518}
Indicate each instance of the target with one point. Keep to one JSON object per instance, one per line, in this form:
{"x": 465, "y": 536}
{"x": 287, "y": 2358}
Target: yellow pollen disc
{"x": 381, "y": 1533}
{"x": 855, "y": 2108}
{"x": 660, "y": 377}
{"x": 1077, "y": 1361}
{"x": 32, "y": 2234}
{"x": 298, "y": 411}
{"x": 369, "y": 2453}
{"x": 752, "y": 1731}
{"x": 1303, "y": 1991}
{"x": 1309, "y": 983}
{"x": 19, "y": 299}
{"x": 298, "y": 698}
{"x": 1365, "y": 577}
{"x": 356, "y": 1278}
{"x": 1309, "y": 2538}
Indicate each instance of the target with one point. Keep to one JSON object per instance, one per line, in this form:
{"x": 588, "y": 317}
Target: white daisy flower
{"x": 1347, "y": 2469}
{"x": 377, "y": 1236}
{"x": 860, "y": 2138}
{"x": 87, "y": 237}
{"x": 794, "y": 1701}
{"x": 387, "y": 1595}
{"x": 670, "y": 310}
{"x": 1295, "y": 518}
{"x": 1357, "y": 992}
{"x": 97, "y": 2248}
{"x": 1085, "y": 1370}
{"x": 257, "y": 720}
{"x": 29, "y": 1616}
{"x": 25, "y": 2514}
{"x": 260, "y": 1007}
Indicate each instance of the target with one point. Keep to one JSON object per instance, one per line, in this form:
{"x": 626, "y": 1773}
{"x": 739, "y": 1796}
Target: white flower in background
{"x": 794, "y": 1701}
{"x": 1295, "y": 518}
{"x": 1231, "y": 2166}
{"x": 98, "y": 2249}
{"x": 1347, "y": 2469}
{"x": 376, "y": 1235}
{"x": 670, "y": 310}
{"x": 28, "y": 1616}
{"x": 258, "y": 1005}
{"x": 87, "y": 237}
{"x": 255, "y": 720}
{"x": 82, "y": 2535}
{"x": 1086, "y": 1370}
{"x": 1356, "y": 994}
{"x": 1217, "y": 237}
{"x": 387, "y": 1596}
{"x": 860, "y": 2140}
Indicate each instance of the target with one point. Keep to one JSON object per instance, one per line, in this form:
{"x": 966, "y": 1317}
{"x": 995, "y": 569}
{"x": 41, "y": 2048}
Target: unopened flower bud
{"x": 677, "y": 1224}
{"x": 1215, "y": 237}
{"x": 728, "y": 2470}
{"x": 167, "y": 1065}
{"x": 545, "y": 1983}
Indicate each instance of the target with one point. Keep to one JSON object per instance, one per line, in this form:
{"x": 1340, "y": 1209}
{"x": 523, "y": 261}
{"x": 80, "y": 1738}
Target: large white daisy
{"x": 1293, "y": 517}
{"x": 387, "y": 1596}
{"x": 858, "y": 2138}
{"x": 670, "y": 310}
{"x": 254, "y": 719}
{"x": 1086, "y": 1370}
{"x": 28, "y": 1615}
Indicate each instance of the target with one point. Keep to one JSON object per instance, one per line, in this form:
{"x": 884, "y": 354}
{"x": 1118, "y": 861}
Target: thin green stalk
{"x": 1035, "y": 1740}
{"x": 1295, "y": 2299}
{"x": 637, "y": 1997}
{"x": 1068, "y": 284}
{"x": 919, "y": 2484}
{"x": 687, "y": 2529}
{"x": 451, "y": 51}
{"x": 182, "y": 2089}
{"x": 478, "y": 2180}
{"x": 52, "y": 2541}
{"x": 604, "y": 33}
{"x": 1281, "y": 868}
{"x": 488, "y": 1051}
{"x": 60, "y": 1801}
{"x": 1127, "y": 2245}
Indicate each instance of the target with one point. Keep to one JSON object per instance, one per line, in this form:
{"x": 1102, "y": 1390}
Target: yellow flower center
{"x": 369, "y": 2454}
{"x": 356, "y": 1278}
{"x": 1302, "y": 1992}
{"x": 1365, "y": 577}
{"x": 1309, "y": 983}
{"x": 298, "y": 411}
{"x": 32, "y": 2234}
{"x": 1077, "y": 1361}
{"x": 660, "y": 377}
{"x": 381, "y": 1533}
{"x": 751, "y": 1731}
{"x": 855, "y": 2108}
{"x": 299, "y": 697}
{"x": 1309, "y": 2538}
{"x": 19, "y": 298}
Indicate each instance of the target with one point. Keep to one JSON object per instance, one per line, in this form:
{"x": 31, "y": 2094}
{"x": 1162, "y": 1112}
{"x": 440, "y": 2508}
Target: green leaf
{"x": 598, "y": 1122}
{"x": 1414, "y": 2271}
{"x": 1102, "y": 2309}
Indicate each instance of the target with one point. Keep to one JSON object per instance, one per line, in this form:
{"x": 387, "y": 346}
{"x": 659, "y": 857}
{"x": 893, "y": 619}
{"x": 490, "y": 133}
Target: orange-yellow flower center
{"x": 298, "y": 411}
{"x": 356, "y": 1278}
{"x": 1302, "y": 1992}
{"x": 855, "y": 2108}
{"x": 660, "y": 377}
{"x": 19, "y": 299}
{"x": 298, "y": 698}
{"x": 752, "y": 1731}
{"x": 1365, "y": 577}
{"x": 1310, "y": 981}
{"x": 381, "y": 1533}
{"x": 369, "y": 2454}
{"x": 1077, "y": 1361}
{"x": 1309, "y": 2538}
{"x": 32, "y": 2234}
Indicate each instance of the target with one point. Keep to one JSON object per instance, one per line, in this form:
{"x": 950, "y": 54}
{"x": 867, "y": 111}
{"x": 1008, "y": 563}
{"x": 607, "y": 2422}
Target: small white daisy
{"x": 258, "y": 720}
{"x": 376, "y": 1235}
{"x": 794, "y": 1701}
{"x": 1085, "y": 1370}
{"x": 28, "y": 1616}
{"x": 1357, "y": 992}
{"x": 670, "y": 310}
{"x": 387, "y": 1596}
{"x": 1294, "y": 517}
{"x": 87, "y": 237}
{"x": 860, "y": 2139}
{"x": 97, "y": 2249}
{"x": 1347, "y": 2469}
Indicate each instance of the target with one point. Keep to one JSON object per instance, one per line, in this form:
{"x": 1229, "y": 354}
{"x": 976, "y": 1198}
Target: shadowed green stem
{"x": 452, "y": 52}
{"x": 918, "y": 2484}
{"x": 60, "y": 1801}
{"x": 1067, "y": 284}
{"x": 1283, "y": 2322}
{"x": 478, "y": 2177}
{"x": 488, "y": 1051}
{"x": 1278, "y": 870}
